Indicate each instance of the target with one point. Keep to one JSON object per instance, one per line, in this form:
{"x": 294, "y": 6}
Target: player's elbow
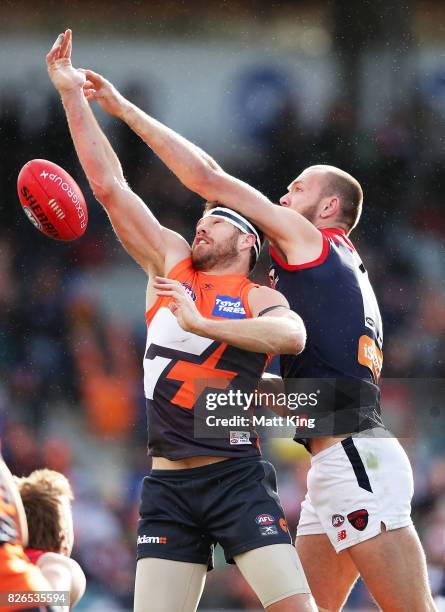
{"x": 296, "y": 338}
{"x": 107, "y": 190}
{"x": 206, "y": 182}
{"x": 296, "y": 342}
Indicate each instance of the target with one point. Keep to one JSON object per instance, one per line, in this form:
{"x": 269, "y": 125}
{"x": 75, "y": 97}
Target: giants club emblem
{"x": 189, "y": 290}
{"x": 359, "y": 519}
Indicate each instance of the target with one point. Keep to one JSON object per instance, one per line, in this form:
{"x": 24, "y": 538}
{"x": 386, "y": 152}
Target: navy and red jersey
{"x": 334, "y": 297}
{"x": 181, "y": 369}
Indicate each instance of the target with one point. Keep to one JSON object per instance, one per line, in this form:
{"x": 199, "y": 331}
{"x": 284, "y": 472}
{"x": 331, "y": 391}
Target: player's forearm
{"x": 187, "y": 161}
{"x": 63, "y": 574}
{"x": 97, "y": 157}
{"x": 273, "y": 335}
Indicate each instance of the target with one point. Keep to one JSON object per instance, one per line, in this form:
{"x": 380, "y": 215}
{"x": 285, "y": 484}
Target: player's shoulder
{"x": 261, "y": 297}
{"x": 180, "y": 268}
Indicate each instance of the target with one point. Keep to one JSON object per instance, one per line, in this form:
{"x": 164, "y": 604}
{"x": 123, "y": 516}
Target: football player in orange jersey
{"x": 202, "y": 490}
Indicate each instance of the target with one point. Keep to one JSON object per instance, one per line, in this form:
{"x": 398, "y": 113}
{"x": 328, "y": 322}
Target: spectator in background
{"x": 46, "y": 497}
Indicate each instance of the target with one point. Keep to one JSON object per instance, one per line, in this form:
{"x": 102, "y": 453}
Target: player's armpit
{"x": 152, "y": 245}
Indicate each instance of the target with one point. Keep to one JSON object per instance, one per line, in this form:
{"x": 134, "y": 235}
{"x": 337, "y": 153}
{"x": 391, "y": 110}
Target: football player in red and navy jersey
{"x": 356, "y": 516}
{"x": 208, "y": 326}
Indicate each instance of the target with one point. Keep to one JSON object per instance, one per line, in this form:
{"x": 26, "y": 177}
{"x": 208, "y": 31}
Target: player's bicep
{"x": 267, "y": 302}
{"x": 141, "y": 234}
{"x": 264, "y": 301}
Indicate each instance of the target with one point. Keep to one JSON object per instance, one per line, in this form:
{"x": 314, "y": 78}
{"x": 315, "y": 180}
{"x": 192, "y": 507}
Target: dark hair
{"x": 253, "y": 258}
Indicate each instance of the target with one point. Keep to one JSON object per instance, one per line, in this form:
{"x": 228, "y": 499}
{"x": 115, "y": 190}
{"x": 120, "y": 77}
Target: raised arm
{"x": 201, "y": 174}
{"x": 153, "y": 246}
{"x": 273, "y": 328}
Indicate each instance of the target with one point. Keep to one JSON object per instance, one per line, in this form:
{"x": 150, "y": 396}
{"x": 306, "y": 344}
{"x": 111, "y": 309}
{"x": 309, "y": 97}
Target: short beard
{"x": 310, "y": 213}
{"x": 220, "y": 256}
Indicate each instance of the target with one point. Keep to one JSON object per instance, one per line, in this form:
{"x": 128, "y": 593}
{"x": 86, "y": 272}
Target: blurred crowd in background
{"x": 71, "y": 393}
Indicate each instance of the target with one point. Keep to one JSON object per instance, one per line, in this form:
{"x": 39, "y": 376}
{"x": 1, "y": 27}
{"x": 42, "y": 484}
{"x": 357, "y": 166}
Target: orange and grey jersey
{"x": 182, "y": 369}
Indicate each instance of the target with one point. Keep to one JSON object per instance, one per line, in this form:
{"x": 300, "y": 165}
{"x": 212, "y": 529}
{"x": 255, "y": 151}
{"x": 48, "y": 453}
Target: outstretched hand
{"x": 97, "y": 89}
{"x": 182, "y": 305}
{"x": 64, "y": 77}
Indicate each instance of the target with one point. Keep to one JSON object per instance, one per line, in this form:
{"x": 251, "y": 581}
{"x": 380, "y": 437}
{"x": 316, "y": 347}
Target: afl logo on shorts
{"x": 264, "y": 519}
{"x": 359, "y": 519}
{"x": 337, "y": 520}
{"x": 189, "y": 290}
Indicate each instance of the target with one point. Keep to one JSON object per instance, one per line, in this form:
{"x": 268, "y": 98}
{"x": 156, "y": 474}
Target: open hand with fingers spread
{"x": 182, "y": 305}
{"x": 64, "y": 77}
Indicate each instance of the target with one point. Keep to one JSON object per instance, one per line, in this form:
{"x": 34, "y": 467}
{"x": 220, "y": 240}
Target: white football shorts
{"x": 356, "y": 485}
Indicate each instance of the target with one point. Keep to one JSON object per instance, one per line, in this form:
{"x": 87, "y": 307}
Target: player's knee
{"x": 294, "y": 603}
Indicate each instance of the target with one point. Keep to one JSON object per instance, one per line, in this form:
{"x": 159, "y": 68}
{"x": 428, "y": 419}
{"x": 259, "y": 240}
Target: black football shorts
{"x": 234, "y": 503}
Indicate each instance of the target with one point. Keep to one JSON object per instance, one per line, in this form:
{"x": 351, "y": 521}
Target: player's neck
{"x": 229, "y": 269}
{"x": 326, "y": 224}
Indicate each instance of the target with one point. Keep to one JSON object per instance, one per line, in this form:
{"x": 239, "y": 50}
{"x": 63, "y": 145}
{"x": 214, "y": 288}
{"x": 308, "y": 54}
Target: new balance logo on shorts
{"x": 341, "y": 535}
{"x": 228, "y": 306}
{"x": 151, "y": 540}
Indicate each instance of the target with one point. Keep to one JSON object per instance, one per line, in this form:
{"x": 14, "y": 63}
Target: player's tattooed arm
{"x": 153, "y": 246}
{"x": 278, "y": 331}
{"x": 200, "y": 173}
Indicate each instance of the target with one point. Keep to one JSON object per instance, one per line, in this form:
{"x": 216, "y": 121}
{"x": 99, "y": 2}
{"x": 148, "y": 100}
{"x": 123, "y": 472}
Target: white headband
{"x": 238, "y": 221}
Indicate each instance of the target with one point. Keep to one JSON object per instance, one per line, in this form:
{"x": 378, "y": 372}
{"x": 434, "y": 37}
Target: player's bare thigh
{"x": 331, "y": 576}
{"x": 391, "y": 564}
{"x": 393, "y": 568}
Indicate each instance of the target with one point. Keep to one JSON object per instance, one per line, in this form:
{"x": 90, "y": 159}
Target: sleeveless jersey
{"x": 181, "y": 368}
{"x": 335, "y": 299}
